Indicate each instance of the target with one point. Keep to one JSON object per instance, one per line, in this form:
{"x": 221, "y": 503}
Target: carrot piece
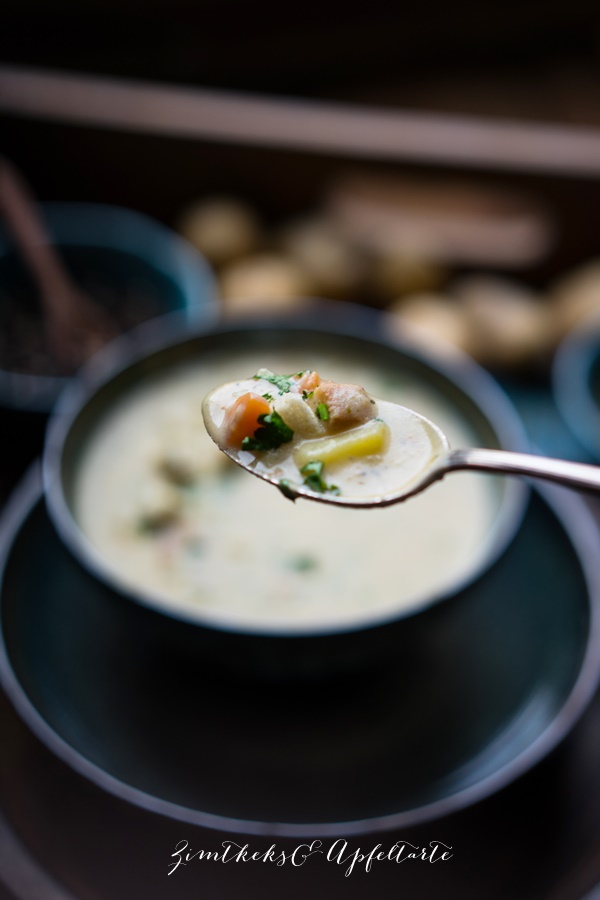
{"x": 241, "y": 418}
{"x": 309, "y": 381}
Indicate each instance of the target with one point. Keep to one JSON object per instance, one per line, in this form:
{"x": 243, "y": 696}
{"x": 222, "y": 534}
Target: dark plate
{"x": 494, "y": 682}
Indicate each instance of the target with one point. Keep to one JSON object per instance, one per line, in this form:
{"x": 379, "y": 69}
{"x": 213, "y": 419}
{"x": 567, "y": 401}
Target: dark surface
{"x": 311, "y": 49}
{"x": 499, "y": 665}
{"x": 114, "y": 166}
{"x": 538, "y": 838}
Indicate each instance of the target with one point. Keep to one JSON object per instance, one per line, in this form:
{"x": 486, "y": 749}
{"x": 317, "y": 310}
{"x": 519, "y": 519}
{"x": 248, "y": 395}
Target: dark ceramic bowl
{"x": 461, "y": 708}
{"x": 576, "y": 382}
{"x": 312, "y": 647}
{"x": 117, "y": 255}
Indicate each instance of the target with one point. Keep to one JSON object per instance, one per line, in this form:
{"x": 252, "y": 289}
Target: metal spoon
{"x": 438, "y": 460}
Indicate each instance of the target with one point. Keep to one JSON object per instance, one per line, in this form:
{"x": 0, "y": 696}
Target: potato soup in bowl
{"x": 144, "y": 497}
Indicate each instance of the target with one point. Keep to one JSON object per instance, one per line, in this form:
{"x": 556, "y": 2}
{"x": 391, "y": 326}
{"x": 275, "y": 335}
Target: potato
{"x": 399, "y": 273}
{"x": 222, "y": 229}
{"x": 332, "y": 265}
{"x": 576, "y": 297}
{"x": 262, "y": 283}
{"x": 439, "y": 318}
{"x": 509, "y": 326}
{"x": 299, "y": 416}
{"x": 363, "y": 441}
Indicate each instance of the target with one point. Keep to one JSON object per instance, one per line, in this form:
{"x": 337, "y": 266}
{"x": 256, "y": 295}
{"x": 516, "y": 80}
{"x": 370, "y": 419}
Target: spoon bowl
{"x": 417, "y": 447}
{"x": 416, "y": 454}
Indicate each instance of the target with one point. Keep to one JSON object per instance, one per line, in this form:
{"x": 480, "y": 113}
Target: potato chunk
{"x": 299, "y": 416}
{"x": 365, "y": 440}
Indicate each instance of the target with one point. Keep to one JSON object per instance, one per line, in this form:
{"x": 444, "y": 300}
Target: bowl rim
{"x": 165, "y": 332}
{"x": 572, "y": 369}
{"x": 79, "y": 224}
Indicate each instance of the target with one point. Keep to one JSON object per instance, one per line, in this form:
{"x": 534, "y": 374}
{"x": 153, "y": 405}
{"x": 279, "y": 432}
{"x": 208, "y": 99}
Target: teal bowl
{"x": 111, "y": 253}
{"x": 576, "y": 383}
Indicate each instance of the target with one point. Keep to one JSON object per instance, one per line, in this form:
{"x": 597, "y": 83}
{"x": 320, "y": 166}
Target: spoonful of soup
{"x": 335, "y": 443}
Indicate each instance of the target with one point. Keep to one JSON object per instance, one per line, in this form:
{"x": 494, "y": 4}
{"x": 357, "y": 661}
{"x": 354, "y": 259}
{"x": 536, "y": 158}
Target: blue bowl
{"x": 119, "y": 250}
{"x": 576, "y": 382}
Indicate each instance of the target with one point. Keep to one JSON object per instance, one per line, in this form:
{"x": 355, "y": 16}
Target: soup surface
{"x": 174, "y": 518}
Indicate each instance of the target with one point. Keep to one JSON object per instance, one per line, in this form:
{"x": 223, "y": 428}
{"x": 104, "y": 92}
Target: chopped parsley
{"x": 322, "y": 412}
{"x": 313, "y": 478}
{"x": 272, "y": 433}
{"x": 303, "y": 563}
{"x": 283, "y": 382}
{"x": 287, "y": 490}
{"x": 268, "y": 397}
{"x": 306, "y": 395}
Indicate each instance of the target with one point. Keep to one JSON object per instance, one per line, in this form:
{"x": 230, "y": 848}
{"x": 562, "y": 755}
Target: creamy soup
{"x": 175, "y": 519}
{"x": 321, "y": 439}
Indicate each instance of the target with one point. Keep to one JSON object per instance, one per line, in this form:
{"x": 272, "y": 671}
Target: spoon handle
{"x": 570, "y": 474}
{"x": 19, "y": 208}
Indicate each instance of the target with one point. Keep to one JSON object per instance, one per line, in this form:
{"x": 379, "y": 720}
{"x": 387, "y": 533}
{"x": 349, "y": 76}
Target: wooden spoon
{"x": 75, "y": 324}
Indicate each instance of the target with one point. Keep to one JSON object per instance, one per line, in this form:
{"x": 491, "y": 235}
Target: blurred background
{"x": 441, "y": 164}
{"x": 525, "y": 60}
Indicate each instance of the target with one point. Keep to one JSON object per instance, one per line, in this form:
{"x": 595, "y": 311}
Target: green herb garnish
{"x": 303, "y": 563}
{"x": 313, "y": 478}
{"x": 322, "y": 412}
{"x": 272, "y": 433}
{"x": 306, "y": 395}
{"x": 287, "y": 489}
{"x": 283, "y": 382}
{"x": 268, "y": 397}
